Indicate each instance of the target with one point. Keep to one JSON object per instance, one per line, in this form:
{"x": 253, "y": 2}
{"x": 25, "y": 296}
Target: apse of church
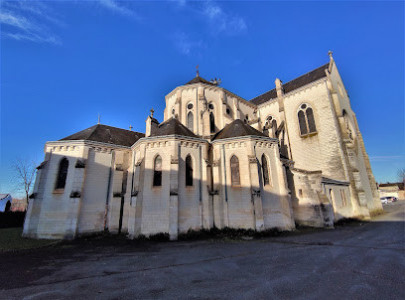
{"x": 293, "y": 155}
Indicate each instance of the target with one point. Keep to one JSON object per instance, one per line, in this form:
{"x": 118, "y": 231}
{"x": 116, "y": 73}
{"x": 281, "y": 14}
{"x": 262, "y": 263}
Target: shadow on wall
{"x": 133, "y": 202}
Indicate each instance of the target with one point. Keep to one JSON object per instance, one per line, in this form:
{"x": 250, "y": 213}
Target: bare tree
{"x": 401, "y": 174}
{"x": 25, "y": 173}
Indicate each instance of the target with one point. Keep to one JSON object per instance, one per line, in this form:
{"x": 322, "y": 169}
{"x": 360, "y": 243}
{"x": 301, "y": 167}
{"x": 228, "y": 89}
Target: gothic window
{"x": 157, "y": 171}
{"x": 235, "y": 177}
{"x": 62, "y": 173}
{"x": 265, "y": 170}
{"x": 189, "y": 171}
{"x": 212, "y": 123}
{"x": 306, "y": 120}
{"x": 190, "y": 121}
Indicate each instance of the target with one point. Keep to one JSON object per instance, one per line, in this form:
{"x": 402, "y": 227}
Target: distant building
{"x": 293, "y": 155}
{"x": 18, "y": 204}
{"x": 5, "y": 202}
{"x": 392, "y": 190}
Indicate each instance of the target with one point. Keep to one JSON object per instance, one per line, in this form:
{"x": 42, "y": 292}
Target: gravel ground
{"x": 359, "y": 260}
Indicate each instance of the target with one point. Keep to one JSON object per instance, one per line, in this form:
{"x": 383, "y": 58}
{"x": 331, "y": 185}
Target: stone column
{"x": 174, "y": 193}
{"x": 76, "y": 193}
{"x": 255, "y": 192}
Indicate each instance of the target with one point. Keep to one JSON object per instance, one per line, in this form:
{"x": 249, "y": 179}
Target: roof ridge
{"x": 118, "y": 128}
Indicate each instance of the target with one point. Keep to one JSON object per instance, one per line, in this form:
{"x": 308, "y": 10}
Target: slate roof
{"x": 333, "y": 181}
{"x": 235, "y": 129}
{"x": 293, "y": 84}
{"x": 106, "y": 134}
{"x": 172, "y": 126}
{"x": 199, "y": 79}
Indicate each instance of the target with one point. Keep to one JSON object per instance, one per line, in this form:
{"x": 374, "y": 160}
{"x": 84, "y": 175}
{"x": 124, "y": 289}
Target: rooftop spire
{"x": 197, "y": 71}
{"x": 330, "y": 52}
{"x": 98, "y": 121}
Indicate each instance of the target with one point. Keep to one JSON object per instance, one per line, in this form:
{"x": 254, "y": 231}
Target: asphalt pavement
{"x": 359, "y": 260}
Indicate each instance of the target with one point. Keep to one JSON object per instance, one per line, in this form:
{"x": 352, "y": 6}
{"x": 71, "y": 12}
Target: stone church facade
{"x": 291, "y": 156}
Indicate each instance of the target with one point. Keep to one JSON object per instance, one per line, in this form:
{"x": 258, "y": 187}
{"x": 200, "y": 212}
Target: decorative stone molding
{"x": 119, "y": 167}
{"x": 255, "y": 193}
{"x": 75, "y": 194}
{"x": 174, "y": 193}
{"x": 117, "y": 194}
{"x": 252, "y": 159}
{"x": 174, "y": 160}
{"x": 42, "y": 165}
{"x": 139, "y": 162}
{"x": 134, "y": 193}
{"x": 216, "y": 163}
{"x": 213, "y": 192}
{"x": 80, "y": 164}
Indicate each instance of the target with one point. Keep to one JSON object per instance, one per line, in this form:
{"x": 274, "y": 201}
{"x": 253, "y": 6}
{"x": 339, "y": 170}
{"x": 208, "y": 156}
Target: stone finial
{"x": 98, "y": 121}
{"x": 278, "y": 83}
{"x": 151, "y": 112}
{"x": 197, "y": 71}
{"x": 330, "y": 52}
{"x": 130, "y": 127}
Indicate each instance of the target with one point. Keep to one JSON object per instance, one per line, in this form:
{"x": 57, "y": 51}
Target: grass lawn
{"x": 11, "y": 240}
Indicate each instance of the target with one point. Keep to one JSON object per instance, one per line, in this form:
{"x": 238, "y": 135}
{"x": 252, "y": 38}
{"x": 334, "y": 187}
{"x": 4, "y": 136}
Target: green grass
{"x": 11, "y": 240}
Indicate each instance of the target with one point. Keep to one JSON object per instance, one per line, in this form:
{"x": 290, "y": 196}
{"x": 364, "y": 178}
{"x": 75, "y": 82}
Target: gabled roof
{"x": 293, "y": 84}
{"x": 235, "y": 129}
{"x": 199, "y": 79}
{"x": 172, "y": 126}
{"x": 106, "y": 134}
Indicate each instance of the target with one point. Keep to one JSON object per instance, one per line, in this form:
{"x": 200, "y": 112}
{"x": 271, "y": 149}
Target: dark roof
{"x": 333, "y": 181}
{"x": 170, "y": 127}
{"x": 235, "y": 129}
{"x": 106, "y": 134}
{"x": 199, "y": 79}
{"x": 293, "y": 84}
{"x": 400, "y": 185}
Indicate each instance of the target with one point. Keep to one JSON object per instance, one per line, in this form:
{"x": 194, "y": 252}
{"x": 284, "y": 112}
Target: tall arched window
{"x": 190, "y": 121}
{"x": 189, "y": 171}
{"x": 306, "y": 120}
{"x": 62, "y": 173}
{"x": 235, "y": 177}
{"x": 212, "y": 123}
{"x": 265, "y": 170}
{"x": 157, "y": 171}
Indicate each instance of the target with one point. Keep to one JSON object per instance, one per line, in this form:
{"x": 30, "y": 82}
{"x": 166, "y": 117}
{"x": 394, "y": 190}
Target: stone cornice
{"x": 246, "y": 137}
{"x": 84, "y": 143}
{"x": 168, "y": 137}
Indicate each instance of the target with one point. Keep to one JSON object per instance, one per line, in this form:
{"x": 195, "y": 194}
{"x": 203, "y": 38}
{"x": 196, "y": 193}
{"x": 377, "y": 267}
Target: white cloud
{"x": 386, "y": 158}
{"x": 117, "y": 8}
{"x": 184, "y": 44}
{"x": 223, "y": 22}
{"x": 27, "y": 21}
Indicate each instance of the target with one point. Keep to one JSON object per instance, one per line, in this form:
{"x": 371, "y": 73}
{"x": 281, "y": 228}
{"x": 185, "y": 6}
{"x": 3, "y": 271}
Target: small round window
{"x": 304, "y": 106}
{"x": 190, "y": 106}
{"x": 210, "y": 106}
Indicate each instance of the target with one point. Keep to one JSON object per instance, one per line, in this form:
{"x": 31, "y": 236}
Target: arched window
{"x": 306, "y": 120}
{"x": 235, "y": 177}
{"x": 190, "y": 121}
{"x": 212, "y": 123}
{"x": 265, "y": 170}
{"x": 62, "y": 173}
{"x": 157, "y": 171}
{"x": 189, "y": 171}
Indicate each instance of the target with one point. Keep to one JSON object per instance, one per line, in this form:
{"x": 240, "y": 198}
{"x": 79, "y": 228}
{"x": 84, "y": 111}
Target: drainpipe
{"x": 108, "y": 190}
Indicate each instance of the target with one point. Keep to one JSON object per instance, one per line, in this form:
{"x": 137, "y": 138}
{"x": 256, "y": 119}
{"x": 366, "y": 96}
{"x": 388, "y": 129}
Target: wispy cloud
{"x": 386, "y": 158}
{"x": 26, "y": 20}
{"x": 221, "y": 21}
{"x": 117, "y": 7}
{"x": 184, "y": 44}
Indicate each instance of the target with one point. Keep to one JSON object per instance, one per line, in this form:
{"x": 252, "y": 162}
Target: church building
{"x": 291, "y": 156}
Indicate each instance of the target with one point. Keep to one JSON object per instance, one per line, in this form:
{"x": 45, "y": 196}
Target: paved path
{"x": 356, "y": 261}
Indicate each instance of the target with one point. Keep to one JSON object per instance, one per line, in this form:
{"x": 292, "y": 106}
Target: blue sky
{"x": 65, "y": 62}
